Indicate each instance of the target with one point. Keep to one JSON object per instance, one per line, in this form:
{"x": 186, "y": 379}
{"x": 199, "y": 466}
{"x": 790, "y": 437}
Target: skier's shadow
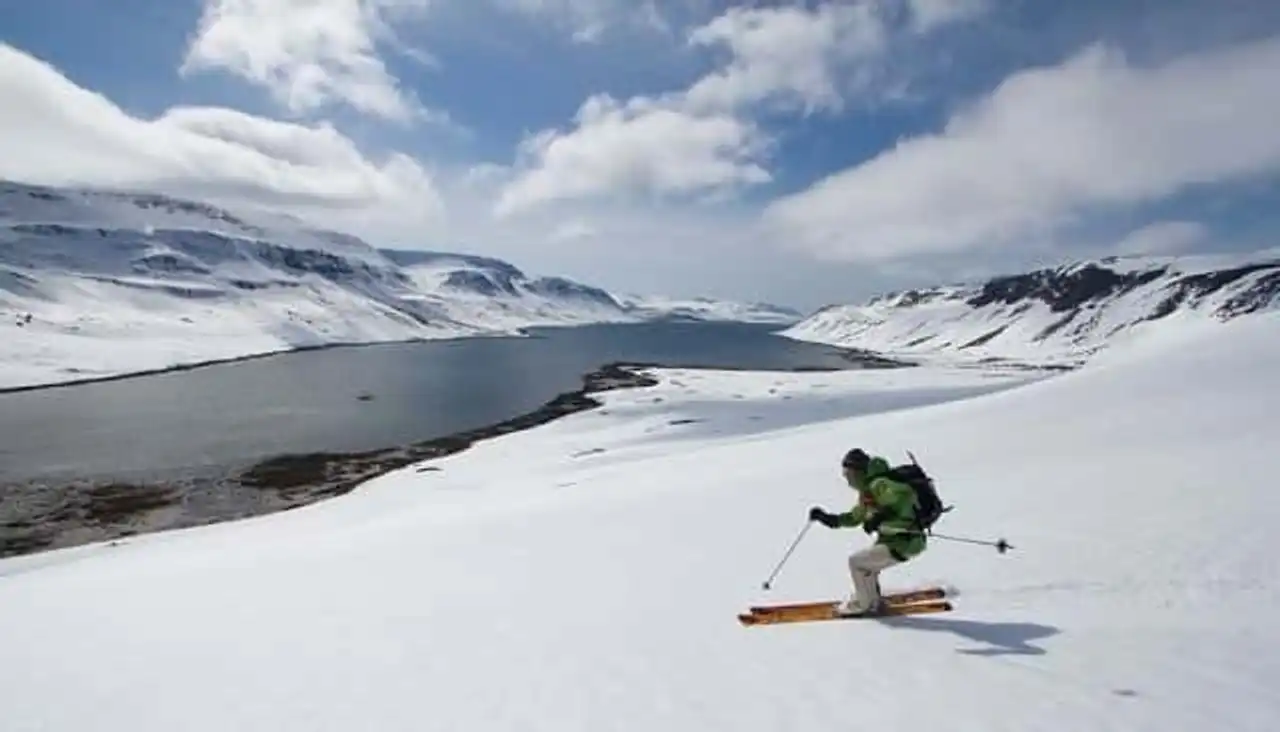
{"x": 1002, "y": 639}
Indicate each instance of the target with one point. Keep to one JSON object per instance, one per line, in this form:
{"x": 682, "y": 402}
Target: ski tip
{"x": 933, "y": 590}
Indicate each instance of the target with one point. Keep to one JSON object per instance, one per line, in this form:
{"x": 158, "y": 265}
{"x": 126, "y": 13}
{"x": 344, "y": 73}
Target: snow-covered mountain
{"x": 97, "y": 283}
{"x": 475, "y": 289}
{"x": 703, "y": 308}
{"x": 469, "y": 282}
{"x": 1058, "y": 316}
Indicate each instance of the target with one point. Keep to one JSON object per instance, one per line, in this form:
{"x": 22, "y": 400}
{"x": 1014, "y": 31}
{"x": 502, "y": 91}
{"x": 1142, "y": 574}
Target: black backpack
{"x": 929, "y": 506}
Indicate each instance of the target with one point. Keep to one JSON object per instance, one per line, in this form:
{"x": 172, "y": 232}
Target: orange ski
{"x": 827, "y": 612}
{"x": 890, "y": 598}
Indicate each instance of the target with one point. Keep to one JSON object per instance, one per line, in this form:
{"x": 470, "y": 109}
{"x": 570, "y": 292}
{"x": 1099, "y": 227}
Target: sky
{"x": 799, "y": 153}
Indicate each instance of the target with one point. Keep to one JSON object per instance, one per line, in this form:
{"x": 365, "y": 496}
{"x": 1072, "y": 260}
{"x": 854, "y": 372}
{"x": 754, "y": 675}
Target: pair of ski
{"x": 911, "y": 602}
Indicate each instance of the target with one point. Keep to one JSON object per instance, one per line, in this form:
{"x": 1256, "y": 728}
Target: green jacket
{"x": 897, "y": 501}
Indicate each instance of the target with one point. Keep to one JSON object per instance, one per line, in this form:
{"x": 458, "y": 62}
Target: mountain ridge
{"x": 97, "y": 283}
{"x": 1052, "y": 316}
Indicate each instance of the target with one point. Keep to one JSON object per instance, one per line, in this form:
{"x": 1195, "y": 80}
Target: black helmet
{"x": 856, "y": 459}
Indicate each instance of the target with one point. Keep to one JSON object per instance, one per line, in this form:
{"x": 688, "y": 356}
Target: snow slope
{"x": 96, "y": 284}
{"x": 1058, "y": 316}
{"x": 585, "y": 575}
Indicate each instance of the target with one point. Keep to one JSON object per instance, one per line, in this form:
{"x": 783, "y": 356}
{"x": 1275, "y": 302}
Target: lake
{"x": 214, "y": 418}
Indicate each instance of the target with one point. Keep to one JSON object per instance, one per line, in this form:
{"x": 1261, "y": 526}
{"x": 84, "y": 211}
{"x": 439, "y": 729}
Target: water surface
{"x": 346, "y": 399}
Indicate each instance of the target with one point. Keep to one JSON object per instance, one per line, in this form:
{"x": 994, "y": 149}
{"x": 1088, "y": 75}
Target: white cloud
{"x": 818, "y": 58}
{"x": 587, "y": 21}
{"x": 591, "y": 20}
{"x": 926, "y": 15}
{"x": 573, "y": 230}
{"x": 56, "y": 133}
{"x": 1164, "y": 237}
{"x": 653, "y": 247}
{"x": 1047, "y": 145}
{"x": 703, "y": 140}
{"x": 790, "y": 54}
{"x": 308, "y": 53}
{"x": 642, "y": 148}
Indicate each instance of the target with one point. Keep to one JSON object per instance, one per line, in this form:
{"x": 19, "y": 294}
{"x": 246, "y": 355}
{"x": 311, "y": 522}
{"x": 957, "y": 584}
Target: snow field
{"x": 585, "y": 574}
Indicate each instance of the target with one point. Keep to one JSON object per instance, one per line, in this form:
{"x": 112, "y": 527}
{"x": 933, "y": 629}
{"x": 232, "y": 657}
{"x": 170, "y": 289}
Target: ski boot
{"x": 851, "y": 608}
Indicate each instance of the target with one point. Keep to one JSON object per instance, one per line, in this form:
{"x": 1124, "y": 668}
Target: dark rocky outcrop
{"x": 407, "y": 258}
{"x": 489, "y": 284}
{"x": 1062, "y": 290}
{"x": 561, "y": 288}
{"x": 1065, "y": 290}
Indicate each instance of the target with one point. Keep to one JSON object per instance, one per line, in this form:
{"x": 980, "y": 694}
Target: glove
{"x": 873, "y": 522}
{"x": 822, "y": 517}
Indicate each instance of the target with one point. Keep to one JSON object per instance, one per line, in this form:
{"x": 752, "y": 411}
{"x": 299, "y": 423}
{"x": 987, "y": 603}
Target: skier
{"x": 886, "y": 506}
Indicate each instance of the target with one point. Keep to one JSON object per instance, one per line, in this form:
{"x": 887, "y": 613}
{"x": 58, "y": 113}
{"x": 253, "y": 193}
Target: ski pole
{"x": 794, "y": 544}
{"x": 1001, "y": 545}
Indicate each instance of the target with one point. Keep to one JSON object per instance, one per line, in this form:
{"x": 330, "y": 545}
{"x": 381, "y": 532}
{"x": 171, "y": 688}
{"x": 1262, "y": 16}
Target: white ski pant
{"x": 865, "y": 567}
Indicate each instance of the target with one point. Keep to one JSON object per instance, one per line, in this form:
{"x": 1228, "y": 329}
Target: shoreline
{"x": 256, "y": 356}
{"x": 86, "y": 512}
{"x": 522, "y": 332}
{"x": 43, "y": 515}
